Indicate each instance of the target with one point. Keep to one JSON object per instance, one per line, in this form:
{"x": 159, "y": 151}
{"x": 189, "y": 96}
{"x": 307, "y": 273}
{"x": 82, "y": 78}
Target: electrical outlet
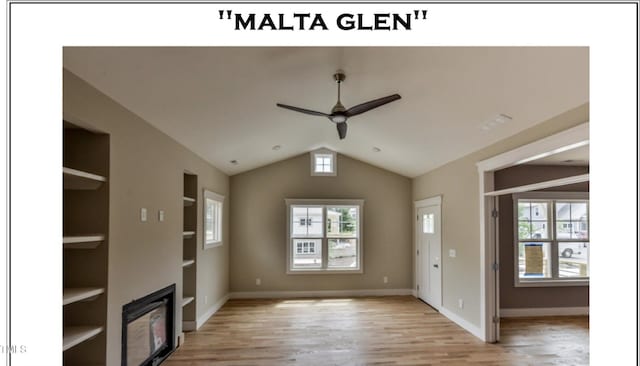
{"x": 258, "y": 282}
{"x": 385, "y": 279}
{"x": 161, "y": 215}
{"x": 460, "y": 303}
{"x": 143, "y": 214}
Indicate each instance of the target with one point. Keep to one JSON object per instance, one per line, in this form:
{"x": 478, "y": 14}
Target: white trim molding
{"x": 562, "y": 141}
{"x": 526, "y": 312}
{"x": 212, "y": 310}
{"x": 319, "y": 293}
{"x": 431, "y": 201}
{"x": 542, "y": 185}
{"x": 465, "y": 324}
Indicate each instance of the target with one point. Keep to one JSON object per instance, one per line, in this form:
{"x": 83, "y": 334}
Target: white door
{"x": 430, "y": 255}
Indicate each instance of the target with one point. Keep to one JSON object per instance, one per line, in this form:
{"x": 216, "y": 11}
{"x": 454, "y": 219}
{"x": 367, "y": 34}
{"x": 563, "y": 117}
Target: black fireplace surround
{"x": 148, "y": 328}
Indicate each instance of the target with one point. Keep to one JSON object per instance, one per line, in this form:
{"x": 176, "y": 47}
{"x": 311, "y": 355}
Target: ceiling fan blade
{"x": 367, "y": 106}
{"x": 302, "y": 110}
{"x": 342, "y": 129}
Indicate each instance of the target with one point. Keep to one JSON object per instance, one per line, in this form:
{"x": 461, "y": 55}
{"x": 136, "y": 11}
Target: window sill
{"x": 213, "y": 245}
{"x": 553, "y": 283}
{"x": 323, "y": 271}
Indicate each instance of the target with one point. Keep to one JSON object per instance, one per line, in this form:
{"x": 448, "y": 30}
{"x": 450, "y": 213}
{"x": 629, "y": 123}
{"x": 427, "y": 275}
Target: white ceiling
{"x": 220, "y": 102}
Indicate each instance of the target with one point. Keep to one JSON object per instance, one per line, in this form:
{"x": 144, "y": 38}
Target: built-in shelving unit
{"x": 71, "y": 295}
{"x": 82, "y": 241}
{"x": 77, "y": 179}
{"x": 85, "y": 225}
{"x": 188, "y": 262}
{"x": 73, "y": 336}
{"x": 187, "y": 300}
{"x": 189, "y": 250}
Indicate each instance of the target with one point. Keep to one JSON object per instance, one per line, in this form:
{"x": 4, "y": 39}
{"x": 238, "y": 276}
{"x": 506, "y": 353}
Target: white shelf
{"x": 77, "y": 179}
{"x": 73, "y": 336}
{"x": 186, "y": 301}
{"x": 82, "y": 241}
{"x": 188, "y": 233}
{"x": 188, "y": 262}
{"x": 71, "y": 295}
{"x": 188, "y": 201}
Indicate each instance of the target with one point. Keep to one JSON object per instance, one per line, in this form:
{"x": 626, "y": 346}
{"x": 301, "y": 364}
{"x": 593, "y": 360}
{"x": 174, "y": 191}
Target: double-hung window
{"x": 552, "y": 238}
{"x": 324, "y": 236}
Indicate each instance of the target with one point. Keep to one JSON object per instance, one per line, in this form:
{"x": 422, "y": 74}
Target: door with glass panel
{"x": 430, "y": 256}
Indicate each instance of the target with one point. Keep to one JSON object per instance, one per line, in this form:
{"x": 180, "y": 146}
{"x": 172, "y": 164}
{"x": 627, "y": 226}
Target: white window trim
{"x": 551, "y": 196}
{"x": 324, "y": 241}
{"x": 334, "y": 163}
{"x": 207, "y": 244}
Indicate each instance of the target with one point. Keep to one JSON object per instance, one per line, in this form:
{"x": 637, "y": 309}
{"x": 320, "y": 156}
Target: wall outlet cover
{"x": 143, "y": 214}
{"x": 161, "y": 215}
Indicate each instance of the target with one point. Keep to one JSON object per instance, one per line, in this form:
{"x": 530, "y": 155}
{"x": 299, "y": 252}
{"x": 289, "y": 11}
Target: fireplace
{"x": 148, "y": 328}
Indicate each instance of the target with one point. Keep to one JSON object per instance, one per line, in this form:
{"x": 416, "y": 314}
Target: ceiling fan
{"x": 339, "y": 114}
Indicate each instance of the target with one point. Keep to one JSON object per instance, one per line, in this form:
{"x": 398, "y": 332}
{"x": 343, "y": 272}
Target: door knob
{"x": 435, "y": 266}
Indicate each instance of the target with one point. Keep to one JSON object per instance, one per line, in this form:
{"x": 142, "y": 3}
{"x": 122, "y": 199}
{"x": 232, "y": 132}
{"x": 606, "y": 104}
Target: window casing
{"x": 323, "y": 163}
{"x": 212, "y": 217}
{"x": 551, "y": 236}
{"x": 324, "y": 236}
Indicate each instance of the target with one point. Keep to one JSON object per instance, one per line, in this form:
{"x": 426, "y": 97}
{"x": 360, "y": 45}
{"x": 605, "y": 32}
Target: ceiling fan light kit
{"x": 339, "y": 114}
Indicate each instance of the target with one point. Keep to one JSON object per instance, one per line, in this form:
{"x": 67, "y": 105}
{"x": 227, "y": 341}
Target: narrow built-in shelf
{"x": 82, "y": 241}
{"x": 188, "y": 201}
{"x": 73, "y": 336}
{"x": 71, "y": 295}
{"x": 188, "y": 262}
{"x": 186, "y": 300}
{"x": 77, "y": 179}
{"x": 188, "y": 233}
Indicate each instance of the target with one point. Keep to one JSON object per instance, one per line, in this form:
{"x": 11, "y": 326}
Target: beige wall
{"x": 457, "y": 182}
{"x": 146, "y": 170}
{"x": 258, "y": 225}
{"x": 512, "y": 297}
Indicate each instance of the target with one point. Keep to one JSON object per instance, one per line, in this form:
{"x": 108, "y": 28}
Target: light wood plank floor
{"x": 394, "y": 330}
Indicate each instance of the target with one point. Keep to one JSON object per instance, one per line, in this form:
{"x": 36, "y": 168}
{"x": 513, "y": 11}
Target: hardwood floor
{"x": 397, "y": 330}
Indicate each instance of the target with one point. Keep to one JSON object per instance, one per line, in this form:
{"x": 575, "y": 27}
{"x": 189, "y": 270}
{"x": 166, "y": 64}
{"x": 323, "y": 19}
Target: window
{"x": 552, "y": 238}
{"x": 329, "y": 241}
{"x": 428, "y": 221}
{"x": 305, "y": 247}
{"x": 212, "y": 217}
{"x": 323, "y": 162}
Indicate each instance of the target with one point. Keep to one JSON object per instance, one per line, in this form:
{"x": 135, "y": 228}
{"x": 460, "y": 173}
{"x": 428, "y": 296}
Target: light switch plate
{"x": 161, "y": 215}
{"x": 143, "y": 214}
{"x": 452, "y": 253}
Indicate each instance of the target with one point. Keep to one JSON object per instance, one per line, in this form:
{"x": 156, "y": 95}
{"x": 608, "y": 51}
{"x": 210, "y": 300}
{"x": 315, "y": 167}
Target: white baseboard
{"x": 473, "y": 329}
{"x": 319, "y": 293}
{"x": 564, "y": 311}
{"x": 414, "y": 293}
{"x": 212, "y": 310}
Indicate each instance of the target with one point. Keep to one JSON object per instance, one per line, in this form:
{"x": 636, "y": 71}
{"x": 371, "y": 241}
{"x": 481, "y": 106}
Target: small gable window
{"x": 323, "y": 162}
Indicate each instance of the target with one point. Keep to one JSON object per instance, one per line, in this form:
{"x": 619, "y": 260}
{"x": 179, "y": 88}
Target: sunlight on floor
{"x": 312, "y": 302}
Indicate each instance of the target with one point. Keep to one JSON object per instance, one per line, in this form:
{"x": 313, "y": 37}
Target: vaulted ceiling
{"x": 220, "y": 102}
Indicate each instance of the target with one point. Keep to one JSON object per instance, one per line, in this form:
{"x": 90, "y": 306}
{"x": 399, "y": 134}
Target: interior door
{"x": 430, "y": 256}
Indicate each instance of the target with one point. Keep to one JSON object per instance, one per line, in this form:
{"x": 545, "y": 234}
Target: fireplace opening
{"x": 148, "y": 328}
